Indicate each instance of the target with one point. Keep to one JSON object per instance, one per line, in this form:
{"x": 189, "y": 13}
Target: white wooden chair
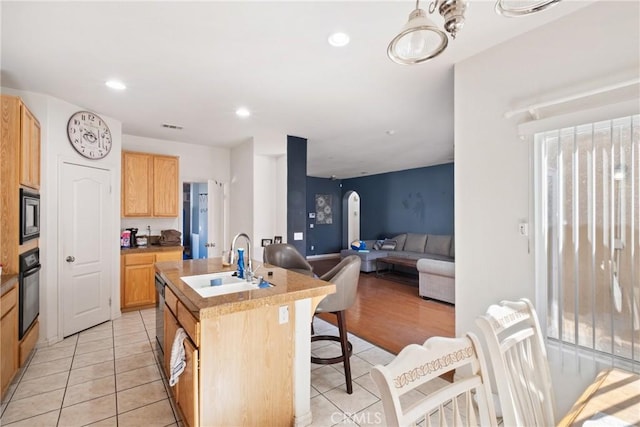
{"x": 451, "y": 405}
{"x": 519, "y": 360}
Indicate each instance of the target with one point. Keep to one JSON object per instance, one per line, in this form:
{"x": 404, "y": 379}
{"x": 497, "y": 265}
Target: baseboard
{"x": 323, "y": 256}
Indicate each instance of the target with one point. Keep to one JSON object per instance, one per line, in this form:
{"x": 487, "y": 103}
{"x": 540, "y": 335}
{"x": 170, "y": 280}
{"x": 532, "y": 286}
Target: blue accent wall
{"x": 297, "y": 191}
{"x": 415, "y": 200}
{"x": 325, "y": 238}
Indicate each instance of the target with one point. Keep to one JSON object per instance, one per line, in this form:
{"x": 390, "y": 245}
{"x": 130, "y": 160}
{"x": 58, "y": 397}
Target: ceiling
{"x": 193, "y": 64}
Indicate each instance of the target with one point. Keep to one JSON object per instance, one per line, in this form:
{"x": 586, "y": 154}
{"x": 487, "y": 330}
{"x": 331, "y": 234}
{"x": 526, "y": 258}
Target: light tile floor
{"x": 109, "y": 375}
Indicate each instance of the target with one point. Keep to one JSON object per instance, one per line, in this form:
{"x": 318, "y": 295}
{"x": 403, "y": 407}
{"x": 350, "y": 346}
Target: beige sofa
{"x": 435, "y": 255}
{"x": 437, "y": 279}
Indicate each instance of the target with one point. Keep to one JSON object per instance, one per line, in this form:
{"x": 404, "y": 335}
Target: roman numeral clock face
{"x": 89, "y": 135}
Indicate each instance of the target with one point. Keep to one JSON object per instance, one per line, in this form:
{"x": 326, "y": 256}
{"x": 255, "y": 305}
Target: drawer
{"x": 171, "y": 301}
{"x": 169, "y": 256}
{"x": 189, "y": 324}
{"x": 139, "y": 259}
{"x": 9, "y": 300}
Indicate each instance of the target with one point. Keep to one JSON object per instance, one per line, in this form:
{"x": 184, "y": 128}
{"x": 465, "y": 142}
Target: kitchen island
{"x": 247, "y": 353}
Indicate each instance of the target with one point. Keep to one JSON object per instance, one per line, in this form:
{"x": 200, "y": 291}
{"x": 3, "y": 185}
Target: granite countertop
{"x": 8, "y": 280}
{"x": 288, "y": 286}
{"x": 150, "y": 248}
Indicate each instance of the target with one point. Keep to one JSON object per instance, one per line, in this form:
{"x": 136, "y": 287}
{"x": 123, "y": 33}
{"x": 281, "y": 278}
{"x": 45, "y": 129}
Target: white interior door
{"x": 85, "y": 264}
{"x": 215, "y": 219}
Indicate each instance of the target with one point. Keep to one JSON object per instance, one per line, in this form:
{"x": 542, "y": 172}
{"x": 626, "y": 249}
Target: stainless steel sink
{"x": 214, "y": 284}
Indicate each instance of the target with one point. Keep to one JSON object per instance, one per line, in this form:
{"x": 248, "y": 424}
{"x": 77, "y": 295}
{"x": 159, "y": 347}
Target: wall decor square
{"x": 324, "y": 209}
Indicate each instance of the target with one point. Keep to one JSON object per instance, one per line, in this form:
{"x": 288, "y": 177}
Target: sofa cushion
{"x": 378, "y": 244}
{"x": 415, "y": 242}
{"x": 389, "y": 245}
{"x": 438, "y": 245}
{"x": 400, "y": 239}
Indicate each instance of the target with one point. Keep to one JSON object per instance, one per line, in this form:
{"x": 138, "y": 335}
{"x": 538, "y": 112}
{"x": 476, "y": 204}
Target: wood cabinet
{"x": 149, "y": 185}
{"x": 185, "y": 391}
{"x": 8, "y": 337}
{"x": 19, "y": 166}
{"x": 165, "y": 186}
{"x": 29, "y": 149}
{"x": 137, "y": 282}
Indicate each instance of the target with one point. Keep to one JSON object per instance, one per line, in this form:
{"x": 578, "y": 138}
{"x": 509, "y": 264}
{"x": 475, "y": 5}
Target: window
{"x": 590, "y": 219}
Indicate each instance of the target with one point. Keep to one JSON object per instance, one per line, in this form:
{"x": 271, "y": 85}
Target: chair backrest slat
{"x": 451, "y": 404}
{"x": 519, "y": 360}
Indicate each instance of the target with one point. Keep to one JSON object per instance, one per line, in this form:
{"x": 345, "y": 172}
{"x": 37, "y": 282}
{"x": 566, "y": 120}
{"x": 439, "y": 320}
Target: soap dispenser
{"x": 241, "y": 263}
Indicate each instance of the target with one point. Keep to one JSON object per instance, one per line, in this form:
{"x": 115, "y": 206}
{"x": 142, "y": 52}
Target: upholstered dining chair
{"x": 519, "y": 360}
{"x": 464, "y": 402}
{"x": 287, "y": 256}
{"x": 345, "y": 276}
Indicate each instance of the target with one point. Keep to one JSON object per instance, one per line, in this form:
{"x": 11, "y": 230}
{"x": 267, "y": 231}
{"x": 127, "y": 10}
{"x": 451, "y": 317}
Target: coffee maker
{"x": 133, "y": 231}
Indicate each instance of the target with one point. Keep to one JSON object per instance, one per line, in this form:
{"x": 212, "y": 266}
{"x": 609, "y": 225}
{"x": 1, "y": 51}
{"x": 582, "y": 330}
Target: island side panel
{"x": 246, "y": 368}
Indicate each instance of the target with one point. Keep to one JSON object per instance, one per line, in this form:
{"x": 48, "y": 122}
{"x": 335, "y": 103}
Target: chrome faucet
{"x": 249, "y": 271}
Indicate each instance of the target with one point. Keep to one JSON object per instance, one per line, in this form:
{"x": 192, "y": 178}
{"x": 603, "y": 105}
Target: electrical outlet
{"x": 311, "y": 225}
{"x": 283, "y": 314}
{"x": 523, "y": 229}
{"x": 313, "y": 248}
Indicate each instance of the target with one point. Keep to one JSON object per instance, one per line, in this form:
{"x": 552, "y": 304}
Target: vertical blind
{"x": 591, "y": 213}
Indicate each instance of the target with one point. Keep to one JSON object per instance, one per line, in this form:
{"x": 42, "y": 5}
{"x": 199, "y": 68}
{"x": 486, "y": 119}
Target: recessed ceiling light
{"x": 115, "y": 84}
{"x": 243, "y": 112}
{"x": 391, "y": 132}
{"x": 339, "y": 39}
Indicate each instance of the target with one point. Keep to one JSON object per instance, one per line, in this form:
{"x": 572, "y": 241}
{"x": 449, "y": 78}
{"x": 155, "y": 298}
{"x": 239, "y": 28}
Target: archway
{"x": 350, "y": 217}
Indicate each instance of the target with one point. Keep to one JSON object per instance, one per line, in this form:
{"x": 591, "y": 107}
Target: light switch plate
{"x": 297, "y": 236}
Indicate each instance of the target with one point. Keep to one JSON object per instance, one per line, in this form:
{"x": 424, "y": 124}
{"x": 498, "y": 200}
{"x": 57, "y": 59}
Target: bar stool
{"x": 345, "y": 276}
{"x": 287, "y": 256}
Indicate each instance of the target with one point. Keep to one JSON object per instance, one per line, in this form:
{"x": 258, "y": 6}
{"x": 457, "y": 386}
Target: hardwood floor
{"x": 390, "y": 314}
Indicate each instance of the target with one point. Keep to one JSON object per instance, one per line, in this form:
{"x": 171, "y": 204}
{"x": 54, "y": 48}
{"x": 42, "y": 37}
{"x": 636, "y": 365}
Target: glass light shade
{"x": 419, "y": 40}
{"x": 515, "y": 8}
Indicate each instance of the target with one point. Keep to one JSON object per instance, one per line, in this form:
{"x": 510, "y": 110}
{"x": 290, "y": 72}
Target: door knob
{"x": 71, "y": 258}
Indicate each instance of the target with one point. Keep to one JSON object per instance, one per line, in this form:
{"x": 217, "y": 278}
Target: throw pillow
{"x": 358, "y": 245}
{"x": 378, "y": 244}
{"x": 388, "y": 245}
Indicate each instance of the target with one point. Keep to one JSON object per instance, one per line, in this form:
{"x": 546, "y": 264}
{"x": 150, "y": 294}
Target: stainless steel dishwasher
{"x": 160, "y": 284}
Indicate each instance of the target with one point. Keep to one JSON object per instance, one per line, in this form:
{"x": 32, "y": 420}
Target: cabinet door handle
{"x": 71, "y": 258}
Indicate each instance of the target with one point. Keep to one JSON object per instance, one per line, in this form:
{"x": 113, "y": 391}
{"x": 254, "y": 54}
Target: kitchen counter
{"x": 288, "y": 286}
{"x": 7, "y": 280}
{"x": 150, "y": 248}
{"x": 248, "y": 353}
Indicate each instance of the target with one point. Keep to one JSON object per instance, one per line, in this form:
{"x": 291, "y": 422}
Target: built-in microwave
{"x": 29, "y": 215}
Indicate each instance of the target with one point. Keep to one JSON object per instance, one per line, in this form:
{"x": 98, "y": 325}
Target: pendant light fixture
{"x": 420, "y": 39}
{"x": 515, "y": 8}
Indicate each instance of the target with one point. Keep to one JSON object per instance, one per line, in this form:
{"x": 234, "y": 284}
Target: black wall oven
{"x": 29, "y": 215}
{"x": 29, "y": 285}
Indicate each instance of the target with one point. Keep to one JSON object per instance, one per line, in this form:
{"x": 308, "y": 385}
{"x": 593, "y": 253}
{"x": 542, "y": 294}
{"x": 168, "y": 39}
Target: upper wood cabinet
{"x": 29, "y": 149}
{"x": 149, "y": 185}
{"x": 165, "y": 186}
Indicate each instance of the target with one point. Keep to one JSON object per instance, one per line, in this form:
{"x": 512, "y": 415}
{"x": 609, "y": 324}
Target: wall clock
{"x": 89, "y": 135}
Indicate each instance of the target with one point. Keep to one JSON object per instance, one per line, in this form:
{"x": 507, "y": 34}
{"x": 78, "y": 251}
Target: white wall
{"x": 264, "y": 199}
{"x": 198, "y": 163}
{"x": 492, "y": 174}
{"x": 241, "y": 191}
{"x": 53, "y": 115}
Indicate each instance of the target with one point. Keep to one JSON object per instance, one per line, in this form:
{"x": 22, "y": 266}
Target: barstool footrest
{"x": 330, "y": 360}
